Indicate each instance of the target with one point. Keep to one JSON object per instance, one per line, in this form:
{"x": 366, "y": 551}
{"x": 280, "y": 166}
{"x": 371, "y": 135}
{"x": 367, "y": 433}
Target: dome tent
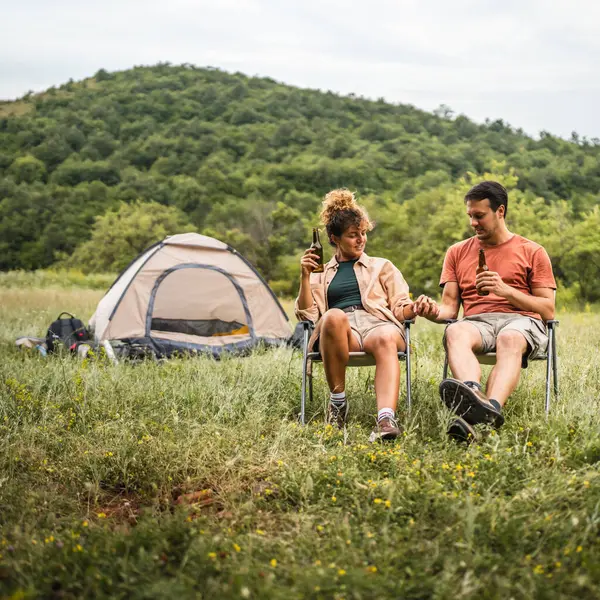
{"x": 191, "y": 292}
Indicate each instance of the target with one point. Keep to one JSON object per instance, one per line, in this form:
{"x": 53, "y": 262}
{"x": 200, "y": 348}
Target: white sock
{"x": 337, "y": 398}
{"x": 385, "y": 413}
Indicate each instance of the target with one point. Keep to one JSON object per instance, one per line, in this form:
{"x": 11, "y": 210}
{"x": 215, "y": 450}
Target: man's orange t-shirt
{"x": 521, "y": 263}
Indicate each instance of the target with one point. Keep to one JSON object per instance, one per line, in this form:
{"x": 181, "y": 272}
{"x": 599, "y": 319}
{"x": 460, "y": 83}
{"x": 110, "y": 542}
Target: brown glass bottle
{"x": 481, "y": 268}
{"x": 317, "y": 248}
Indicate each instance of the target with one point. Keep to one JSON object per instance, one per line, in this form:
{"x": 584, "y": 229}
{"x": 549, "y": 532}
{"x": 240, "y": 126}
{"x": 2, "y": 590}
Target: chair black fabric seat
{"x": 357, "y": 359}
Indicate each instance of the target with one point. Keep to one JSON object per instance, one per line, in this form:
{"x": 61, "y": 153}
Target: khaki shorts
{"x": 363, "y": 323}
{"x": 491, "y": 324}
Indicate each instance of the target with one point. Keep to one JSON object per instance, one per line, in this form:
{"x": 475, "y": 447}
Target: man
{"x": 504, "y": 309}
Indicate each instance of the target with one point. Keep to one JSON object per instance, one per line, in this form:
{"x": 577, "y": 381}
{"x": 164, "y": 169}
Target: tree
{"x": 581, "y": 260}
{"x": 119, "y": 236}
{"x": 27, "y": 169}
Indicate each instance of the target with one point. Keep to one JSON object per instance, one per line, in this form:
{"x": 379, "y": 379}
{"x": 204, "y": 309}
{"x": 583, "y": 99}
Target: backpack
{"x": 68, "y": 332}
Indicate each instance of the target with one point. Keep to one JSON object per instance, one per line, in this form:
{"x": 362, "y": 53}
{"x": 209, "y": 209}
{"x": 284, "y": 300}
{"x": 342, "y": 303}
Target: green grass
{"x": 93, "y": 459}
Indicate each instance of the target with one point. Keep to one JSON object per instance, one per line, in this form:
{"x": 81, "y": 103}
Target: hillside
{"x": 247, "y": 159}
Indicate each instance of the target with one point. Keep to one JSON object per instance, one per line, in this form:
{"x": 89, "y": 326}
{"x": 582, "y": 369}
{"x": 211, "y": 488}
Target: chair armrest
{"x": 552, "y": 323}
{"x": 307, "y": 325}
{"x": 408, "y": 322}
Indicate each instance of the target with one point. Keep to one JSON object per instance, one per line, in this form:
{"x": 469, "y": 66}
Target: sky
{"x": 533, "y": 63}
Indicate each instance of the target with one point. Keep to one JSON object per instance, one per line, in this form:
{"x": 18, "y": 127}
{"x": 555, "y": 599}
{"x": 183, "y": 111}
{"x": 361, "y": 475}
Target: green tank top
{"x": 343, "y": 290}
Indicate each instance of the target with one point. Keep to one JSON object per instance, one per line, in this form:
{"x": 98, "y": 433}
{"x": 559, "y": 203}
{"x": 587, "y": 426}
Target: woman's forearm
{"x": 305, "y": 297}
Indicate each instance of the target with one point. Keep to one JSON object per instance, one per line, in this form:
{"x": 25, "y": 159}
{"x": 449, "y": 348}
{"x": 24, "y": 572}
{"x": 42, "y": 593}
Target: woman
{"x": 358, "y": 303}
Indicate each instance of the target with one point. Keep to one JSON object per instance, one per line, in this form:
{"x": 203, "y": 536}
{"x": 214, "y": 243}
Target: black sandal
{"x": 468, "y": 403}
{"x": 460, "y": 431}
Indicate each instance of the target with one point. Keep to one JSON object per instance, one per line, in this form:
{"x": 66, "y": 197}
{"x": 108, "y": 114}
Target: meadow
{"x": 192, "y": 478}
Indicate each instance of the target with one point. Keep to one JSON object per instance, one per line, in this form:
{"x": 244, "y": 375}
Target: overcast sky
{"x": 533, "y": 63}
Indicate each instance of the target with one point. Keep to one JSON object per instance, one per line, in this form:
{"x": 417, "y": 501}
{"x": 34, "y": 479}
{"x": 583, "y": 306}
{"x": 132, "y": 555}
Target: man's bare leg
{"x": 462, "y": 341}
{"x": 384, "y": 343}
{"x": 504, "y": 378}
{"x": 336, "y": 341}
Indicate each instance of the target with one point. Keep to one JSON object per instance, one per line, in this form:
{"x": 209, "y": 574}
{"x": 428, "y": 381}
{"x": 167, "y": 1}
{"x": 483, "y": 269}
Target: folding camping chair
{"x": 550, "y": 357}
{"x": 357, "y": 359}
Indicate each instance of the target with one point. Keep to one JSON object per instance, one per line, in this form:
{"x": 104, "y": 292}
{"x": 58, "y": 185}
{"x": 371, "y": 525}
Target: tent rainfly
{"x": 191, "y": 292}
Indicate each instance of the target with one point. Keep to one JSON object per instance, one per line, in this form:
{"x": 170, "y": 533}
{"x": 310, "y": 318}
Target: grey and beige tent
{"x": 190, "y": 292}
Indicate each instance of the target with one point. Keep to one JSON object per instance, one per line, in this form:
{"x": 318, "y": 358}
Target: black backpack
{"x": 69, "y": 332}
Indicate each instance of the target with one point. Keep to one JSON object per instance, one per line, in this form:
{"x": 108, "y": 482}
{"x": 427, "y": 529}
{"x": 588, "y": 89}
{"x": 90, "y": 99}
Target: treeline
{"x": 247, "y": 160}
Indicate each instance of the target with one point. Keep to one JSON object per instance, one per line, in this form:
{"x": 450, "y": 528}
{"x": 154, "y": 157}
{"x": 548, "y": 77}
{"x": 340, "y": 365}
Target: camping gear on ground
{"x": 68, "y": 332}
{"x": 32, "y": 343}
{"x": 190, "y": 292}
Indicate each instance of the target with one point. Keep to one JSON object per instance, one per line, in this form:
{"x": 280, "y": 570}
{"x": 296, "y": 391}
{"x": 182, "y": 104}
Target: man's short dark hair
{"x": 491, "y": 190}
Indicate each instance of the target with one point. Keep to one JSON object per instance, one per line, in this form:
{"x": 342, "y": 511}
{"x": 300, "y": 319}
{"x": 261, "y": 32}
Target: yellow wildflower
{"x": 273, "y": 562}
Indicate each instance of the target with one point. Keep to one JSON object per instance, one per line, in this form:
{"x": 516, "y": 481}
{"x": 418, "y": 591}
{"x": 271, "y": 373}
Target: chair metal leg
{"x": 310, "y": 384}
{"x": 304, "y": 376}
{"x": 554, "y": 362}
{"x": 448, "y": 323}
{"x": 549, "y": 361}
{"x": 408, "y": 366}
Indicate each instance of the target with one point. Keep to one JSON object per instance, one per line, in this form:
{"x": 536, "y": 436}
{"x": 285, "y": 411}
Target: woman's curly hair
{"x": 341, "y": 211}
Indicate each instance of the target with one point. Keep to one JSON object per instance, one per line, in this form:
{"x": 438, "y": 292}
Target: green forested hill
{"x": 248, "y": 159}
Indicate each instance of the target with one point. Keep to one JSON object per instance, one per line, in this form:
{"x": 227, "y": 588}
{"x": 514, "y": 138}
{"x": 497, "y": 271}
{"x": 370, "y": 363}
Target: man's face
{"x": 484, "y": 220}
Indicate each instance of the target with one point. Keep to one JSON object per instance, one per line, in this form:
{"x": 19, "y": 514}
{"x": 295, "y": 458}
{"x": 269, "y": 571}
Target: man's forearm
{"x": 446, "y": 312}
{"x": 537, "y": 304}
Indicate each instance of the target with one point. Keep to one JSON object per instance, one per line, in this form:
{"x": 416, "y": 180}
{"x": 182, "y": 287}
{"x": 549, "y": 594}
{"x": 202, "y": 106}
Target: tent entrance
{"x": 202, "y": 301}
{"x": 199, "y": 327}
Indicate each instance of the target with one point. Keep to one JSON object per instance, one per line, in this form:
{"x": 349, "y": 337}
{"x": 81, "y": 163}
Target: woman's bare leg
{"x": 384, "y": 343}
{"x": 336, "y": 341}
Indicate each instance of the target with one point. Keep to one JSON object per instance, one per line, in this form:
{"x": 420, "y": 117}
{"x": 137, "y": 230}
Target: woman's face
{"x": 351, "y": 244}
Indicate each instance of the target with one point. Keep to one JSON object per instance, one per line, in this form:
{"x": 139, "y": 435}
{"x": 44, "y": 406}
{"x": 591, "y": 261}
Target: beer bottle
{"x": 317, "y": 248}
{"x": 481, "y": 268}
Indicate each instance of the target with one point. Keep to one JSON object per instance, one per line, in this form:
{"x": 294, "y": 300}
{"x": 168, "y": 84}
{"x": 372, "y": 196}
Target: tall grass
{"x": 192, "y": 479}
